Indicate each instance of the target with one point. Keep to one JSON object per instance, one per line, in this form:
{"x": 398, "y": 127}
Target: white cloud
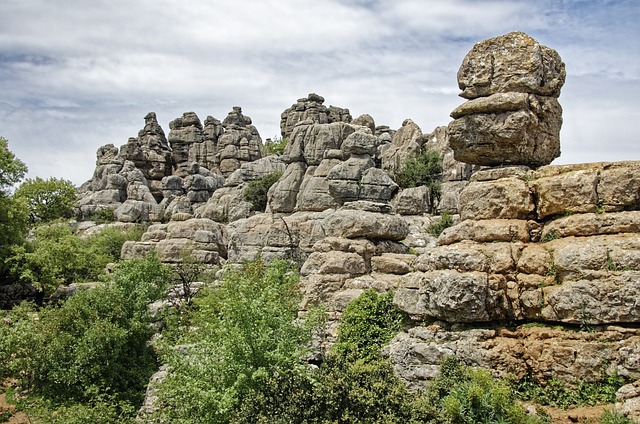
{"x": 75, "y": 75}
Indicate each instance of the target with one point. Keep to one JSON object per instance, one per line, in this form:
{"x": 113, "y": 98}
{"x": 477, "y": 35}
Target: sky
{"x": 77, "y": 74}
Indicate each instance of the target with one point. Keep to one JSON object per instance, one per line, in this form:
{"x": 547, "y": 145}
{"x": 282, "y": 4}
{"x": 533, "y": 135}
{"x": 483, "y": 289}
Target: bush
{"x": 104, "y": 216}
{"x": 256, "y": 191}
{"x": 464, "y": 395}
{"x": 424, "y": 169}
{"x": 56, "y": 256}
{"x": 445, "y": 221}
{"x": 275, "y": 146}
{"x": 615, "y": 417}
{"x": 244, "y": 342}
{"x": 555, "y": 393}
{"x": 107, "y": 243}
{"x": 368, "y": 323}
{"x": 93, "y": 347}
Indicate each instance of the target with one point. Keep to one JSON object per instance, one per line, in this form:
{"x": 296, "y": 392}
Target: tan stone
{"x": 392, "y": 263}
{"x": 568, "y": 192}
{"x": 619, "y": 186}
{"x": 334, "y": 262}
{"x": 535, "y": 259}
{"x": 506, "y": 198}
{"x": 486, "y": 231}
{"x": 610, "y": 299}
{"x": 592, "y": 224}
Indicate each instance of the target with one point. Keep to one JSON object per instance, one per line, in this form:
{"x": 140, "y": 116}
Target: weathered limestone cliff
{"x": 537, "y": 252}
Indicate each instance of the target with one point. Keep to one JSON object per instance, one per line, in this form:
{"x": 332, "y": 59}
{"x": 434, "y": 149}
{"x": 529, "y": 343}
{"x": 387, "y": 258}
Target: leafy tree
{"x": 12, "y": 169}
{"x": 256, "y": 191}
{"x": 55, "y": 255}
{"x": 92, "y": 350}
{"x": 13, "y": 212}
{"x": 48, "y": 199}
{"x": 245, "y": 342}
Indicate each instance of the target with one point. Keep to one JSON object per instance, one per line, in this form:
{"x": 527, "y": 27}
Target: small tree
{"x": 13, "y": 212}
{"x": 243, "y": 337}
{"x": 275, "y": 146}
{"x": 49, "y": 199}
{"x": 424, "y": 169}
{"x": 12, "y": 169}
{"x": 256, "y": 191}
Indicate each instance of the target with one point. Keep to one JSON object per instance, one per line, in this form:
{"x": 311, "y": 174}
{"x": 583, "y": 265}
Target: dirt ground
{"x": 16, "y": 417}
{"x": 583, "y": 415}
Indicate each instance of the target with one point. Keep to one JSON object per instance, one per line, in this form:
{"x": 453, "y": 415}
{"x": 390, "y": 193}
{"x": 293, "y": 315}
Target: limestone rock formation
{"x": 550, "y": 249}
{"x": 310, "y": 109}
{"x": 152, "y": 177}
{"x": 204, "y": 239}
{"x": 150, "y": 152}
{"x": 513, "y": 115}
{"x": 219, "y": 147}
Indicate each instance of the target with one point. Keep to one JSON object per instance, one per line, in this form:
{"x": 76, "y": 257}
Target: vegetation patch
{"x": 275, "y": 146}
{"x": 256, "y": 191}
{"x": 89, "y": 355}
{"x": 445, "y": 221}
{"x": 557, "y": 394}
{"x": 424, "y": 169}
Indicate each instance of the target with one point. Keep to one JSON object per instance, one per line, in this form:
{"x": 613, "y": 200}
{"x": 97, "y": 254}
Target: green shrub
{"x": 557, "y": 394}
{"x": 445, "y": 221}
{"x": 104, "y": 216}
{"x": 274, "y": 146}
{"x": 356, "y": 384}
{"x": 107, "y": 243}
{"x": 615, "y": 417}
{"x": 465, "y": 395}
{"x": 424, "y": 169}
{"x": 367, "y": 323}
{"x": 93, "y": 346}
{"x": 256, "y": 191}
{"x": 55, "y": 255}
{"x": 101, "y": 409}
{"x": 244, "y": 342}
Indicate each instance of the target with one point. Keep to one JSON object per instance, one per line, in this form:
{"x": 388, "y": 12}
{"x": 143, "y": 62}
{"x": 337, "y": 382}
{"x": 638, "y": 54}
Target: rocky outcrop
{"x": 513, "y": 115}
{"x": 311, "y": 110}
{"x": 535, "y": 352}
{"x": 150, "y": 153}
{"x": 328, "y": 165}
{"x": 536, "y": 254}
{"x": 150, "y": 177}
{"x": 203, "y": 239}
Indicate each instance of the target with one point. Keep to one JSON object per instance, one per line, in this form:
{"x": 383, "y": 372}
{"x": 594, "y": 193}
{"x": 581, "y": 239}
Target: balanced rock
{"x": 513, "y": 115}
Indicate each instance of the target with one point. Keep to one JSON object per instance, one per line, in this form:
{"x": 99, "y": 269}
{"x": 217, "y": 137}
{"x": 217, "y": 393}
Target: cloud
{"x": 77, "y": 75}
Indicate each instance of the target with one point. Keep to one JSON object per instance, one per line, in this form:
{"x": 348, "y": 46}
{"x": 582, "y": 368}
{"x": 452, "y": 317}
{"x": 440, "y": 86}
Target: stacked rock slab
{"x": 558, "y": 245}
{"x": 152, "y": 177}
{"x": 512, "y": 116}
{"x": 329, "y": 160}
{"x": 311, "y": 109}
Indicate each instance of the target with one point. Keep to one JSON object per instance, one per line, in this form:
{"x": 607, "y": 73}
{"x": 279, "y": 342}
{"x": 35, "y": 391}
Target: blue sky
{"x": 75, "y": 75}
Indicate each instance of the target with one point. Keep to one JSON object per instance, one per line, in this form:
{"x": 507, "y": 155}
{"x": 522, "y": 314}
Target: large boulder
{"x": 513, "y": 115}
